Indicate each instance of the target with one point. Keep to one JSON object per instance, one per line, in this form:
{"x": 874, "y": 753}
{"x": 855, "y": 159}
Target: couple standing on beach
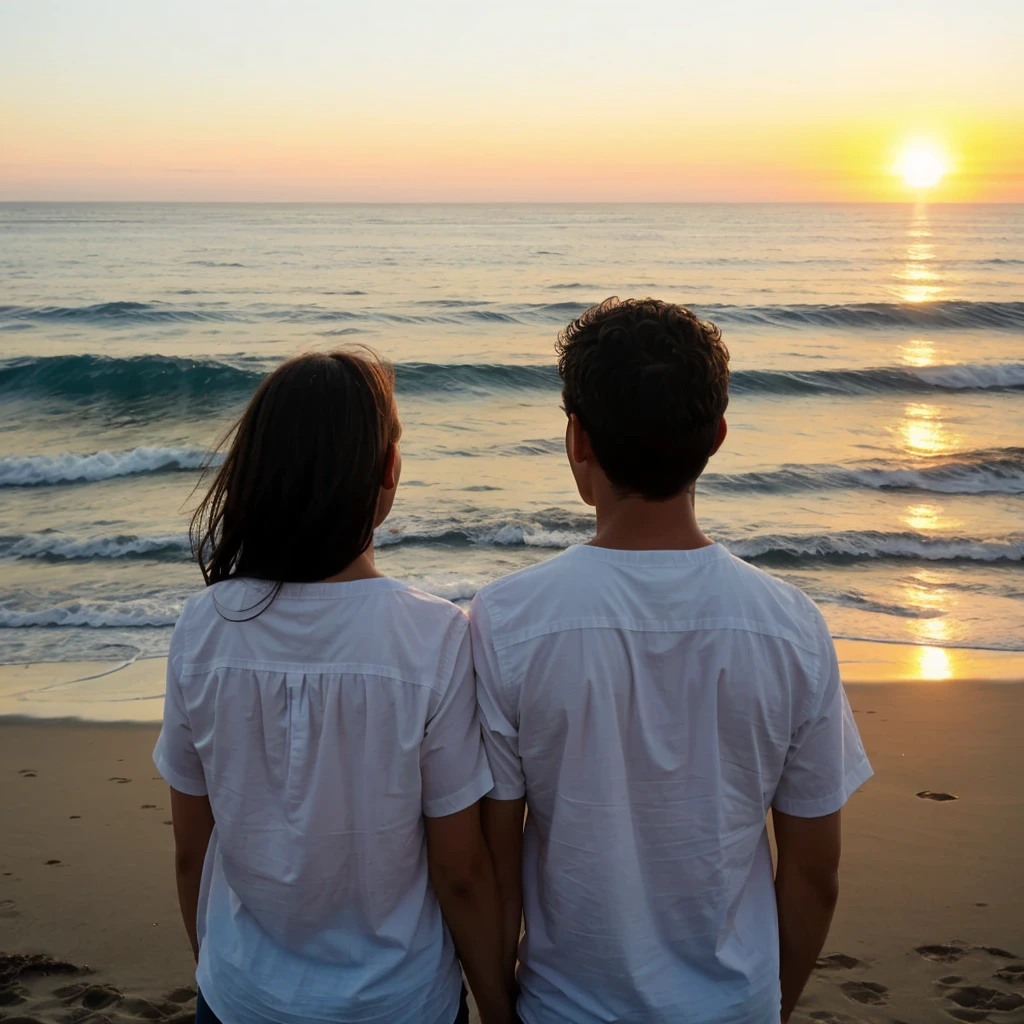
{"x": 351, "y": 760}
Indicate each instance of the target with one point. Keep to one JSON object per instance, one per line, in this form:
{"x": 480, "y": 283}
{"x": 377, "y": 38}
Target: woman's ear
{"x": 392, "y": 469}
{"x": 388, "y": 484}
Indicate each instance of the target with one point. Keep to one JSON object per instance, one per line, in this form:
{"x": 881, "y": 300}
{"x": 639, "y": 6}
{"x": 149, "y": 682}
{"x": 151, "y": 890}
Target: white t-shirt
{"x": 323, "y": 731}
{"x": 652, "y": 706}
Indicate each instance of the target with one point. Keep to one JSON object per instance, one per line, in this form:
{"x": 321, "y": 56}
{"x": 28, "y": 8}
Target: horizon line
{"x": 508, "y": 202}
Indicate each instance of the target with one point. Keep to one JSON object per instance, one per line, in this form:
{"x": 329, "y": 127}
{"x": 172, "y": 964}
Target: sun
{"x": 922, "y": 164}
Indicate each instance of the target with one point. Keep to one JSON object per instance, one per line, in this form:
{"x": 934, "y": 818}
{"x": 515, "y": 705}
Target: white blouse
{"x": 322, "y": 731}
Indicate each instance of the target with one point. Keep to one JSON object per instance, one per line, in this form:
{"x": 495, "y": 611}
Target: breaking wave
{"x": 945, "y": 314}
{"x": 170, "y": 379}
{"x": 67, "y": 468}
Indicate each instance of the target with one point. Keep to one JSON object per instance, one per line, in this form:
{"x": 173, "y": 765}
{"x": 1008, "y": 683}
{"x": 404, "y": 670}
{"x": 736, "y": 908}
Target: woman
{"x": 320, "y": 734}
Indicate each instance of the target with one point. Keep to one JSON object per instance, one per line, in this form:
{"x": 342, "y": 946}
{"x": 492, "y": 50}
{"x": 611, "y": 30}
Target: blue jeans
{"x": 204, "y": 1015}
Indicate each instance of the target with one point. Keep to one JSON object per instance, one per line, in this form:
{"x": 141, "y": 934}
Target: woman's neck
{"x": 362, "y": 568}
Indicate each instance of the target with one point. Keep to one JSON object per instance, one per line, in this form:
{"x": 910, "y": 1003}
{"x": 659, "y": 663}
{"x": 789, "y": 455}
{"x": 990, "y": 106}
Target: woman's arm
{"x": 193, "y": 823}
{"x": 463, "y": 878}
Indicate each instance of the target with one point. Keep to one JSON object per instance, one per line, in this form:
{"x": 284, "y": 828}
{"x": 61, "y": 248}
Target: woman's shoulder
{"x": 429, "y": 604}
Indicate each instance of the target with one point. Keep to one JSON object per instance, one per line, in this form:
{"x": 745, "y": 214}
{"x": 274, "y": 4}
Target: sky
{"x": 527, "y": 101}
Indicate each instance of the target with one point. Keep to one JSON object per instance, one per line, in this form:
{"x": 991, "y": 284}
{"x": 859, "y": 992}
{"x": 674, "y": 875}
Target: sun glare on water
{"x": 922, "y": 165}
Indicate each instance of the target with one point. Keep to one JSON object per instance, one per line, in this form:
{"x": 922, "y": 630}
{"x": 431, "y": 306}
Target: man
{"x": 648, "y": 698}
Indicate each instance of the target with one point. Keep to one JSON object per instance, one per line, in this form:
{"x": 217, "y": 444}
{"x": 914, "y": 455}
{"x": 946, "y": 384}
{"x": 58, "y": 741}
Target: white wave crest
{"x": 95, "y": 614}
{"x": 952, "y": 479}
{"x": 981, "y": 375}
{"x": 532, "y": 536}
{"x": 67, "y": 468}
{"x": 56, "y": 545}
{"x": 870, "y": 544}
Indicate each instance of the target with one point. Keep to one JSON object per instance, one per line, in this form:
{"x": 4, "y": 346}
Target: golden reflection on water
{"x": 928, "y": 516}
{"x": 917, "y": 281}
{"x": 918, "y": 352}
{"x": 924, "y": 592}
{"x": 933, "y": 663}
{"x": 924, "y": 434}
{"x": 923, "y": 430}
{"x": 922, "y": 517}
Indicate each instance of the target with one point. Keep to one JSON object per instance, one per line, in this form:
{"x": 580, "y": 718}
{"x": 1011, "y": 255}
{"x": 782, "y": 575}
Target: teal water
{"x": 876, "y": 449}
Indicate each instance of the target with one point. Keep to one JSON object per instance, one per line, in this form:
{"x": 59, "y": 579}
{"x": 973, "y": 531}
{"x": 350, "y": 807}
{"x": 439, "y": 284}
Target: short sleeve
{"x": 175, "y": 755}
{"x": 826, "y": 763}
{"x": 453, "y": 766}
{"x": 498, "y": 717}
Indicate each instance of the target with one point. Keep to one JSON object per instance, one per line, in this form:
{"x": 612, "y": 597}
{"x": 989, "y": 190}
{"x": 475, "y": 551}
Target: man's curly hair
{"x": 649, "y": 382}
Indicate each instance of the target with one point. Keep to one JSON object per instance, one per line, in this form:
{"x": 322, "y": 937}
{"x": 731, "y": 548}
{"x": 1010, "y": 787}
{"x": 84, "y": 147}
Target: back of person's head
{"x": 649, "y": 383}
{"x": 299, "y": 493}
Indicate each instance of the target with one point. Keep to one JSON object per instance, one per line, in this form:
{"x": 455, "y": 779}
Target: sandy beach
{"x": 930, "y": 925}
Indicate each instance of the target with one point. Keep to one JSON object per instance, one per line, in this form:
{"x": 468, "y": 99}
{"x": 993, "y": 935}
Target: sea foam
{"x": 66, "y": 468}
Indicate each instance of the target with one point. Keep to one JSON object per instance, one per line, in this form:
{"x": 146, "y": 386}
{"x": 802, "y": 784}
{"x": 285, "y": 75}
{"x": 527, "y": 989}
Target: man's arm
{"x": 193, "y": 823}
{"x": 463, "y": 878}
{"x": 503, "y": 830}
{"x": 806, "y": 890}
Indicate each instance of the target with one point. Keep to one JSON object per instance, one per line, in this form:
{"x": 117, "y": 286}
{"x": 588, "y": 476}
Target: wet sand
{"x": 930, "y": 925}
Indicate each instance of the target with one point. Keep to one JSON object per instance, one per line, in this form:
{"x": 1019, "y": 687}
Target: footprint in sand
{"x": 975, "y": 997}
{"x": 72, "y": 991}
{"x": 870, "y": 993}
{"x": 181, "y": 995}
{"x": 837, "y": 960}
{"x": 99, "y": 997}
{"x": 12, "y": 995}
{"x": 8, "y": 908}
{"x": 996, "y": 951}
{"x": 833, "y": 1017}
{"x": 148, "y": 807}
{"x": 968, "y": 1016}
{"x": 118, "y": 778}
{"x": 146, "y": 1010}
{"x": 27, "y": 773}
{"x": 53, "y": 862}
{"x": 950, "y": 953}
{"x": 73, "y": 817}
{"x": 1011, "y": 972}
{"x": 927, "y": 794}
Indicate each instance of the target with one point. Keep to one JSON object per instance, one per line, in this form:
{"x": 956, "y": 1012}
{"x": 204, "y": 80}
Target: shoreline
{"x": 131, "y": 692}
{"x": 928, "y": 890}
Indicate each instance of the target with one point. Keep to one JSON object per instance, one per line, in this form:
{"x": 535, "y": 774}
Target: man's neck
{"x": 634, "y": 524}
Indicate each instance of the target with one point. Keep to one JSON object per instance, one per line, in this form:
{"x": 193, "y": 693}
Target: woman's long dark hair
{"x": 296, "y": 496}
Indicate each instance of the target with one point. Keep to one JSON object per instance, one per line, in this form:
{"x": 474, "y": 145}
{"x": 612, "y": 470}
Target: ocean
{"x": 875, "y": 457}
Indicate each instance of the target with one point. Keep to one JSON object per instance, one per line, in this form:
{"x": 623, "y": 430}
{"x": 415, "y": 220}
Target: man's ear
{"x": 578, "y": 441}
{"x": 723, "y": 430}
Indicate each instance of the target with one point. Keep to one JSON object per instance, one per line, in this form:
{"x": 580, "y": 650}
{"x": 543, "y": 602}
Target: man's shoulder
{"x": 771, "y": 588}
{"x": 773, "y": 606}
{"x": 719, "y": 592}
{"x": 525, "y": 585}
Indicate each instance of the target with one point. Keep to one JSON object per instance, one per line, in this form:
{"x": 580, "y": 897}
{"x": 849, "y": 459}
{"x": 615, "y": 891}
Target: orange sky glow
{"x": 552, "y": 102}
